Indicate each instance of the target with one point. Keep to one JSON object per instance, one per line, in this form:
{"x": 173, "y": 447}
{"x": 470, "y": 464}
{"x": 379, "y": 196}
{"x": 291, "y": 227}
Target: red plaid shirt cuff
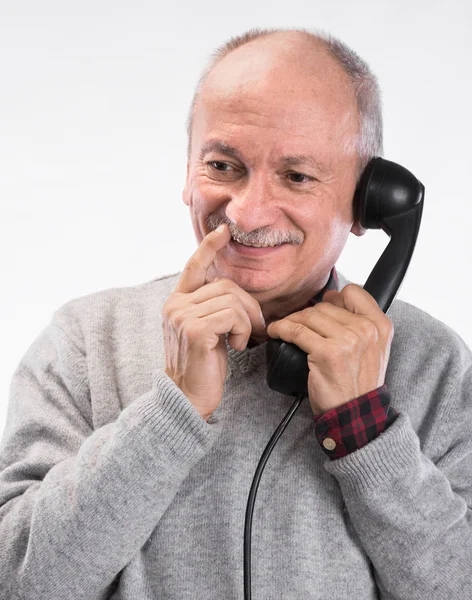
{"x": 351, "y": 426}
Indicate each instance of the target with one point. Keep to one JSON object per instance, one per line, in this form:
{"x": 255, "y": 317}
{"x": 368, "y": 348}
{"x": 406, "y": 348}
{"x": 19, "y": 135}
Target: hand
{"x": 347, "y": 338}
{"x": 196, "y": 317}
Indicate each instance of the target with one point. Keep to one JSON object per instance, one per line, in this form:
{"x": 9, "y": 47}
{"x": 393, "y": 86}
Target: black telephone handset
{"x": 388, "y": 197}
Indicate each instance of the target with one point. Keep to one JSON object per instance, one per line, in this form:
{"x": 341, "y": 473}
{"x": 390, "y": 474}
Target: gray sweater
{"x": 113, "y": 486}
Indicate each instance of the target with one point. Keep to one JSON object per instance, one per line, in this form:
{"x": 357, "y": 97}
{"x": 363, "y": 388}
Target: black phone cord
{"x": 253, "y": 491}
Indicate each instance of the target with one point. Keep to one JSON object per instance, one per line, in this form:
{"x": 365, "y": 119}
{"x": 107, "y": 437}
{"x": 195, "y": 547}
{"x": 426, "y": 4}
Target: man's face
{"x": 272, "y": 155}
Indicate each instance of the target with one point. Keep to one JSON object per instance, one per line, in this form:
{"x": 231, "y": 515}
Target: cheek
{"x": 204, "y": 200}
{"x": 326, "y": 227}
{"x": 205, "y": 197}
{"x": 316, "y": 214}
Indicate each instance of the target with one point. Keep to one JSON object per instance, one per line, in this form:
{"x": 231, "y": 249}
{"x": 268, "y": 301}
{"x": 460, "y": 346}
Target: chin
{"x": 252, "y": 280}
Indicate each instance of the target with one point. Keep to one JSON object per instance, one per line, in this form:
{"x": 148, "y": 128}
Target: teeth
{"x": 255, "y": 245}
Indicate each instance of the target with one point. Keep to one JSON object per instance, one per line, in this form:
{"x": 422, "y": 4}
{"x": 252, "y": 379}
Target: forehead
{"x": 272, "y": 94}
{"x": 276, "y": 121}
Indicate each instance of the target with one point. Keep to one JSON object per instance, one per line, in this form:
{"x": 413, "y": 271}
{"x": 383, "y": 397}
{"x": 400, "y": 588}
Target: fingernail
{"x": 263, "y": 320}
{"x": 220, "y": 228}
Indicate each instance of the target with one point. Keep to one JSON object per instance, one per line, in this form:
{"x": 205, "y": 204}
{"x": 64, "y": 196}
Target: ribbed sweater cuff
{"x": 171, "y": 418}
{"x": 390, "y": 456}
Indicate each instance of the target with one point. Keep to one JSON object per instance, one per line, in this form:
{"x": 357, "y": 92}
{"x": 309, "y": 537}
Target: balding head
{"x": 264, "y": 54}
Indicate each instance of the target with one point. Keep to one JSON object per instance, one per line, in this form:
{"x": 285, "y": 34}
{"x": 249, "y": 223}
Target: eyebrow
{"x": 289, "y": 161}
{"x": 221, "y": 147}
{"x": 303, "y": 159}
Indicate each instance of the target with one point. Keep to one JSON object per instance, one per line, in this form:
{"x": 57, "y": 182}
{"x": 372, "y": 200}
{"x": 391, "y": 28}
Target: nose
{"x": 253, "y": 205}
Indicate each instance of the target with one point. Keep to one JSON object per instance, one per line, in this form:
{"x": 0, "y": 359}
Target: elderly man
{"x": 138, "y": 416}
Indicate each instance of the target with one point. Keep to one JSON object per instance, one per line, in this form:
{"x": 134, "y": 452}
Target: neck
{"x": 275, "y": 309}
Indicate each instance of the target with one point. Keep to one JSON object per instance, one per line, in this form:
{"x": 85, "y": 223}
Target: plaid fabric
{"x": 347, "y": 428}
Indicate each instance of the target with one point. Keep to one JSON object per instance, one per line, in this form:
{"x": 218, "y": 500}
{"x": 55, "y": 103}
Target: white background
{"x": 93, "y": 101}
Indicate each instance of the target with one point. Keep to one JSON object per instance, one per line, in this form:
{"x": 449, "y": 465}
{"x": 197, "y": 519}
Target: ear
{"x": 186, "y": 190}
{"x": 357, "y": 229}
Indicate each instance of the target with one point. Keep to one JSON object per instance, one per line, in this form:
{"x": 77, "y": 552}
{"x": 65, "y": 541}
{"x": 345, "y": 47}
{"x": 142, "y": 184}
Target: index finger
{"x": 354, "y": 299}
{"x": 358, "y": 301}
{"x": 194, "y": 274}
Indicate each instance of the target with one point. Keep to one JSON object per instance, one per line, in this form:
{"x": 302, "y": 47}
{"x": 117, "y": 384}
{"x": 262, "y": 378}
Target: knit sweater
{"x": 113, "y": 487}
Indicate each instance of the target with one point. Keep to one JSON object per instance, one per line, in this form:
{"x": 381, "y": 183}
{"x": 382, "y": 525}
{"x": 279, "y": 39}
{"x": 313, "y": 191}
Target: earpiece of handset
{"x": 387, "y": 197}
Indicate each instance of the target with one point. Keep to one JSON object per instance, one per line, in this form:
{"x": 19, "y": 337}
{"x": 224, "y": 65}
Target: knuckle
{"x": 224, "y": 285}
{"x": 225, "y": 282}
{"x": 297, "y": 329}
{"x": 229, "y": 302}
{"x": 241, "y": 318}
{"x": 178, "y": 319}
{"x": 233, "y": 301}
{"x": 193, "y": 264}
{"x": 369, "y": 331}
{"x": 324, "y": 308}
{"x": 350, "y": 290}
{"x": 387, "y": 329}
{"x": 230, "y": 286}
{"x": 171, "y": 308}
{"x": 168, "y": 308}
{"x": 349, "y": 343}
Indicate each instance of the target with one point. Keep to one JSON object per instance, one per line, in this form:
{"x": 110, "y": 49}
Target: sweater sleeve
{"x": 76, "y": 504}
{"x": 410, "y": 503}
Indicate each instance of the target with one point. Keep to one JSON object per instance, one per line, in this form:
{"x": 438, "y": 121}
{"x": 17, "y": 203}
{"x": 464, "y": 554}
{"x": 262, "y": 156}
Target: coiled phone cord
{"x": 253, "y": 491}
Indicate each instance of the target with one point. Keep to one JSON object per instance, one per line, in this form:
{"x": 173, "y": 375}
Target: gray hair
{"x": 369, "y": 142}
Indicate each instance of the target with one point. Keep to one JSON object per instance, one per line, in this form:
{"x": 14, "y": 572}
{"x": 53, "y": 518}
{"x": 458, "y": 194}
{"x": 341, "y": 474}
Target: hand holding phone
{"x": 347, "y": 340}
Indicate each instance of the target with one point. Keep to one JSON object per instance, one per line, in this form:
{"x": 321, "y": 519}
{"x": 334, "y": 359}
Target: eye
{"x": 217, "y": 164}
{"x": 298, "y": 175}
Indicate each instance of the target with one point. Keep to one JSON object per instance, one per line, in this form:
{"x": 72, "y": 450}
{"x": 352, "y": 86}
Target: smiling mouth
{"x": 238, "y": 240}
{"x": 254, "y": 245}
{"x": 254, "y": 251}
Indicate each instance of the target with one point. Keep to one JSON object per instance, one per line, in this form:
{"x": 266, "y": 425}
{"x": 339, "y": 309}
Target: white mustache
{"x": 258, "y": 236}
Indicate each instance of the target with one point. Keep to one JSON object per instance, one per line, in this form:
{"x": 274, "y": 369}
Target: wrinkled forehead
{"x": 278, "y": 114}
{"x": 287, "y": 89}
